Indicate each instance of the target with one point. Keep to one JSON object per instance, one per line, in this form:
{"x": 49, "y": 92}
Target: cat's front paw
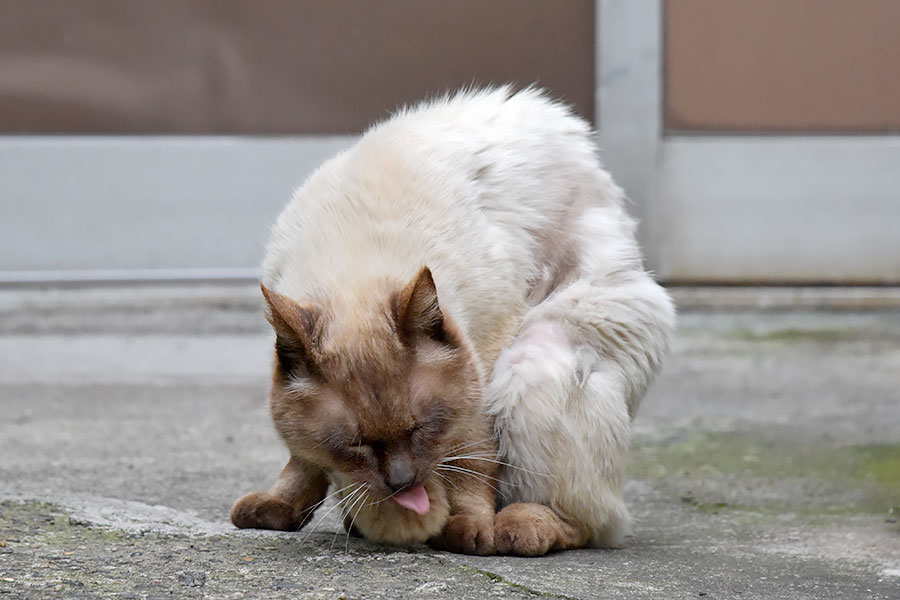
{"x": 261, "y": 510}
{"x": 466, "y": 534}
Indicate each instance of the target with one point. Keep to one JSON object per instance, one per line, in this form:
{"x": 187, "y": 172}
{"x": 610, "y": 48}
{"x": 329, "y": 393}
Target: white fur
{"x": 503, "y": 197}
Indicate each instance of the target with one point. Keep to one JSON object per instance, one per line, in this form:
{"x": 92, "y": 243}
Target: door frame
{"x": 747, "y": 200}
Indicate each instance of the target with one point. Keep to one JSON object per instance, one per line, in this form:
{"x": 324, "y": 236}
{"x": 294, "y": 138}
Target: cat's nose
{"x": 401, "y": 473}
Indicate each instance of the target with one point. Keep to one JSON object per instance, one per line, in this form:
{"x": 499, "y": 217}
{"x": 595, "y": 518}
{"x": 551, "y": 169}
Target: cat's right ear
{"x": 417, "y": 312}
{"x": 296, "y": 334}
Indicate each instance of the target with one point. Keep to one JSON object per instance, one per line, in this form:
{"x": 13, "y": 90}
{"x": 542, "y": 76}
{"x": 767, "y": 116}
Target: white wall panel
{"x": 78, "y": 207}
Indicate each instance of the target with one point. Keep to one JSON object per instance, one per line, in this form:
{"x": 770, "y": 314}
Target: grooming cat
{"x": 460, "y": 309}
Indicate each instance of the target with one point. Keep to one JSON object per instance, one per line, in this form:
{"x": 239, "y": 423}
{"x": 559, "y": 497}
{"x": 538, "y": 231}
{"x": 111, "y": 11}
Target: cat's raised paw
{"x": 261, "y": 510}
{"x": 466, "y": 534}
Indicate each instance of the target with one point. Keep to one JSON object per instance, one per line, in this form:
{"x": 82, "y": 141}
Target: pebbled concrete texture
{"x": 766, "y": 462}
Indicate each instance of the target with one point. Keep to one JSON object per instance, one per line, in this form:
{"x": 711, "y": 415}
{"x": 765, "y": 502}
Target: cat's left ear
{"x": 417, "y": 312}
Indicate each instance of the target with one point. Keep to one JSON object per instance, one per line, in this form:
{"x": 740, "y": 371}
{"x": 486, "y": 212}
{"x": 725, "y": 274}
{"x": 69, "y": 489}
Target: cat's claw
{"x": 466, "y": 534}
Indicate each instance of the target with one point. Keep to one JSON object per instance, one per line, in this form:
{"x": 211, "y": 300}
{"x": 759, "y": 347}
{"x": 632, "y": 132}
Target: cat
{"x": 463, "y": 333}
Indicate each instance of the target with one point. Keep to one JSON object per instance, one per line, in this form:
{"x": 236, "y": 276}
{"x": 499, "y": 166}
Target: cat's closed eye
{"x": 380, "y": 447}
{"x": 363, "y": 445}
{"x": 437, "y": 419}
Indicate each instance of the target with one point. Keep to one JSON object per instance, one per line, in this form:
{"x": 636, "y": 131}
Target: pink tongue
{"x": 415, "y": 500}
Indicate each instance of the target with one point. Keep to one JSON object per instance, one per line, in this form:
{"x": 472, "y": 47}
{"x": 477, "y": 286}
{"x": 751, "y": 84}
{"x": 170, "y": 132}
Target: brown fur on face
{"x": 376, "y": 392}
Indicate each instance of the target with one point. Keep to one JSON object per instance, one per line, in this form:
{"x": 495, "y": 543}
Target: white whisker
{"x": 388, "y": 497}
{"x": 352, "y": 521}
{"x": 330, "y": 510}
{"x": 479, "y": 476}
{"x": 492, "y": 460}
{"x": 349, "y": 508}
{"x": 445, "y": 479}
{"x": 457, "y": 448}
{"x": 470, "y": 471}
{"x": 312, "y": 508}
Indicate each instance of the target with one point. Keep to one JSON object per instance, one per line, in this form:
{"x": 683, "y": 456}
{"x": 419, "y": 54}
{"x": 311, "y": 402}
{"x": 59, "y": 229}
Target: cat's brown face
{"x": 376, "y": 396}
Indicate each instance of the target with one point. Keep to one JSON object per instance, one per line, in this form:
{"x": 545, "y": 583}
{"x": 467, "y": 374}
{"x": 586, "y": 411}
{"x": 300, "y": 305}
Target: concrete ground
{"x": 766, "y": 463}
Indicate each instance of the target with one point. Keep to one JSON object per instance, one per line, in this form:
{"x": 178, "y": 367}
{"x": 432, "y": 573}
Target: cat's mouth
{"x": 414, "y": 499}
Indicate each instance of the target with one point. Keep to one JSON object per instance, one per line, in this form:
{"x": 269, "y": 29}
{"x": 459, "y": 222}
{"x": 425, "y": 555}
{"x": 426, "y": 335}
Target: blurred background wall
{"x": 273, "y": 67}
{"x": 758, "y": 140}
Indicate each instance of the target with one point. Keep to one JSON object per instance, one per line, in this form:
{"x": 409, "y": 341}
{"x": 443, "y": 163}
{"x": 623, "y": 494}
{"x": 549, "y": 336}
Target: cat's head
{"x": 377, "y": 389}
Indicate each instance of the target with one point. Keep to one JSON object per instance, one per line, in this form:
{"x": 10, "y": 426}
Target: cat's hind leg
{"x": 529, "y": 529}
{"x": 562, "y": 395}
{"x": 288, "y": 505}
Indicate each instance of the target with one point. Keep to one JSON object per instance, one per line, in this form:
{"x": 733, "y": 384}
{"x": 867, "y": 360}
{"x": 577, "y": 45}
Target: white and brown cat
{"x": 460, "y": 309}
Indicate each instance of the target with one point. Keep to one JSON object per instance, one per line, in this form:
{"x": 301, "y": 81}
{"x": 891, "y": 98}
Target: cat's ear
{"x": 296, "y": 333}
{"x": 418, "y": 313}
